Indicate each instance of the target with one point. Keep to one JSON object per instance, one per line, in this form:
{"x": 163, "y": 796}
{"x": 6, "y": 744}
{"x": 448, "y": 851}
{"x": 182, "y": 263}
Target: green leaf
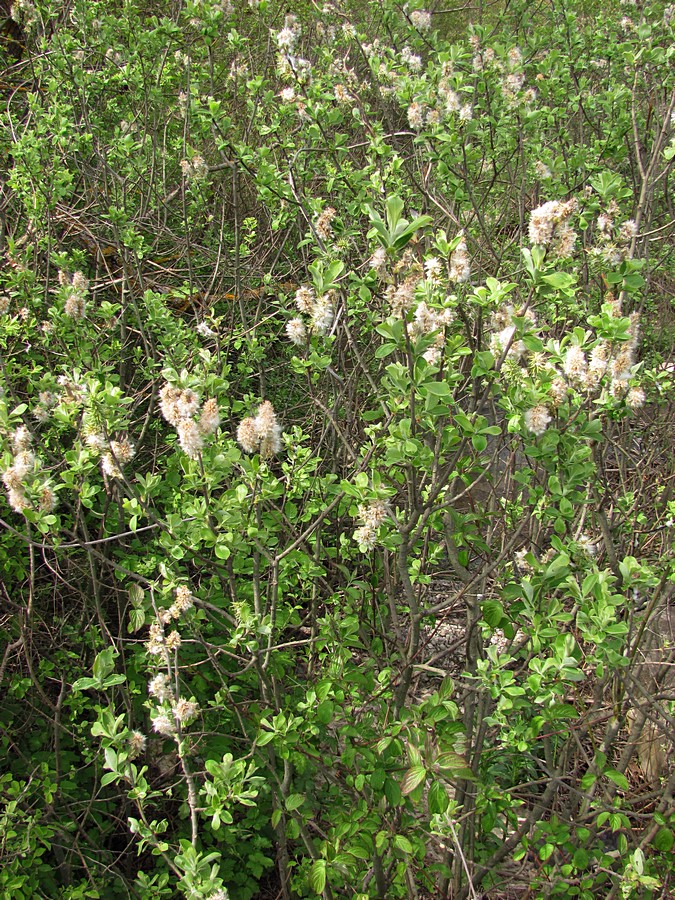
{"x": 447, "y": 688}
{"x": 392, "y": 792}
{"x": 454, "y": 763}
{"x": 618, "y": 778}
{"x": 403, "y": 844}
{"x": 633, "y": 282}
{"x": 104, "y": 663}
{"x": 110, "y": 758}
{"x": 437, "y": 798}
{"x": 112, "y": 680}
{"x": 464, "y": 423}
{"x": 566, "y": 508}
{"x": 295, "y": 801}
{"x": 394, "y": 208}
{"x": 529, "y": 263}
{"x": 438, "y": 389}
{"x": 607, "y": 184}
{"x": 546, "y": 852}
{"x": 639, "y": 861}
{"x": 533, "y": 343}
{"x": 559, "y": 280}
{"x": 420, "y": 222}
{"x": 493, "y": 612}
{"x": 387, "y": 329}
{"x": 593, "y": 428}
{"x": 479, "y": 442}
{"x": 324, "y": 712}
{"x": 109, "y": 778}
{"x": 333, "y": 272}
{"x": 581, "y": 858}
{"x": 136, "y": 620}
{"x": 382, "y": 744}
{"x": 317, "y": 876}
{"x": 360, "y": 852}
{"x": 385, "y": 350}
{"x": 412, "y": 779}
{"x": 483, "y": 362}
{"x": 83, "y": 684}
{"x": 377, "y": 779}
{"x": 664, "y": 840}
{"x": 222, "y": 551}
{"x": 558, "y": 566}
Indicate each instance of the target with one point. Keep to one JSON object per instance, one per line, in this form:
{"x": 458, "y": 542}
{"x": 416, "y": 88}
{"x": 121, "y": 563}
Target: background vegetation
{"x": 336, "y": 435}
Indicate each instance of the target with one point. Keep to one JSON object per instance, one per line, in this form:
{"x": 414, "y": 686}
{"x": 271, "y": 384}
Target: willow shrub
{"x": 323, "y": 336}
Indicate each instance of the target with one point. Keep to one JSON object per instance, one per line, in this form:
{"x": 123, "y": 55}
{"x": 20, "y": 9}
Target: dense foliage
{"x": 335, "y": 430}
